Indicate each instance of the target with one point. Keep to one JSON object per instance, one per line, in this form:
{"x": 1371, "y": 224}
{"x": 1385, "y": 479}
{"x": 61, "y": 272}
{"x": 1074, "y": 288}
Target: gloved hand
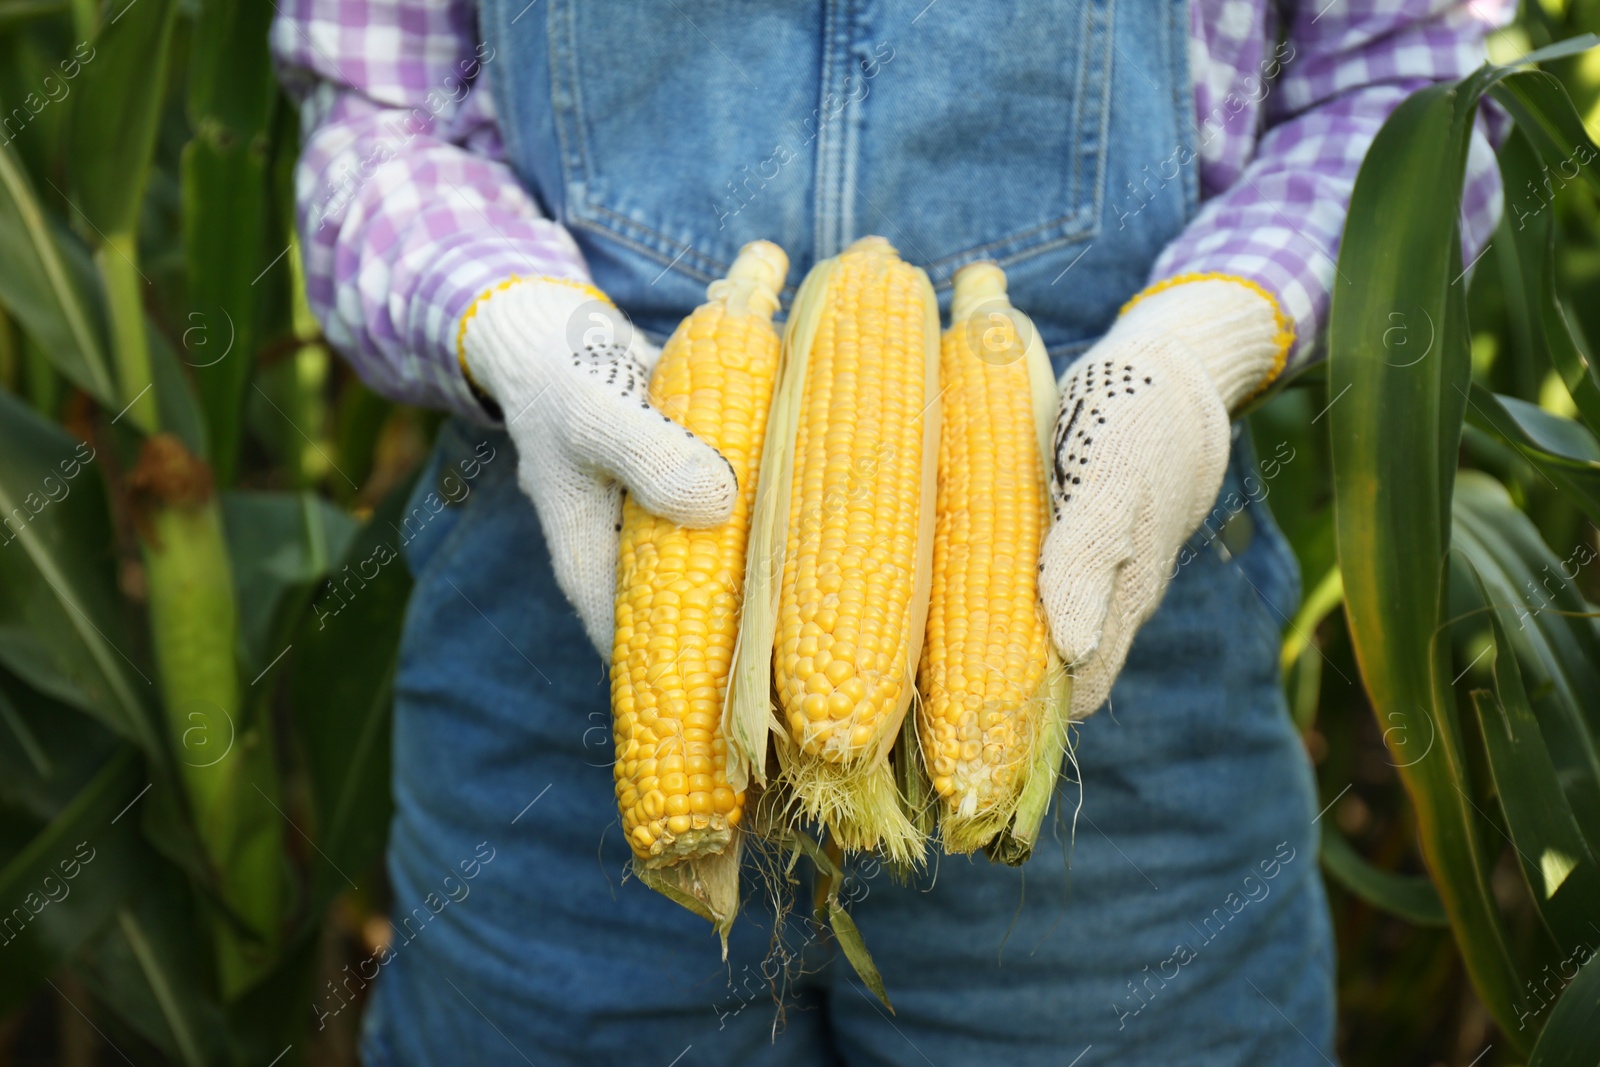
{"x": 1141, "y": 445}
{"x": 571, "y": 375}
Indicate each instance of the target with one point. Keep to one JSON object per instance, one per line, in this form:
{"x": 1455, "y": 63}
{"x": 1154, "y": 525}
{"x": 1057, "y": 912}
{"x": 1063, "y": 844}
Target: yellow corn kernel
{"x": 858, "y": 483}
{"x": 679, "y": 590}
{"x": 986, "y": 653}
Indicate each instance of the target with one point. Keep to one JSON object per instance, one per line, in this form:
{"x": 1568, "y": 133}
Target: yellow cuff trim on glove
{"x": 1284, "y": 338}
{"x": 477, "y": 302}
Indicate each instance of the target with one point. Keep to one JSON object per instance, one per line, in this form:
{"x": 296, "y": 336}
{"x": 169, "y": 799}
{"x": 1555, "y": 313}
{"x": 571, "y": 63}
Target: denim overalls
{"x": 1191, "y": 928}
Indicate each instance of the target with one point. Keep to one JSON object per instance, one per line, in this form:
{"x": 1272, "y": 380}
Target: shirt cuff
{"x": 1235, "y": 327}
{"x": 467, "y": 268}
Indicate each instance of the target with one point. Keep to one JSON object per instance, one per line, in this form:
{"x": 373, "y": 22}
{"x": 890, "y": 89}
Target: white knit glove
{"x": 571, "y": 375}
{"x": 1141, "y": 446}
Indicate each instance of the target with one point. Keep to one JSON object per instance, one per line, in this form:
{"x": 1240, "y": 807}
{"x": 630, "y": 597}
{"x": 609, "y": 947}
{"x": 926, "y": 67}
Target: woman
{"x": 482, "y": 184}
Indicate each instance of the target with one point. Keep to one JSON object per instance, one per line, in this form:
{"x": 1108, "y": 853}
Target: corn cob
{"x": 842, "y": 545}
{"x": 990, "y": 684}
{"x": 223, "y": 745}
{"x": 678, "y": 599}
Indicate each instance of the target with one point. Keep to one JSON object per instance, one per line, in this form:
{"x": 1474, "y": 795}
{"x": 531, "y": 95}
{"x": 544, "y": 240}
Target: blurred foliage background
{"x": 1405, "y": 995}
{"x": 193, "y": 760}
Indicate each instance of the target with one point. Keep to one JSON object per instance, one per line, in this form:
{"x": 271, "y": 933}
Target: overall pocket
{"x": 664, "y": 132}
{"x": 986, "y": 136}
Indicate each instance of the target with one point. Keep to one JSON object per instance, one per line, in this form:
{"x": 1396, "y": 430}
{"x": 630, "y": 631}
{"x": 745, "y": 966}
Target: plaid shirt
{"x": 407, "y": 210}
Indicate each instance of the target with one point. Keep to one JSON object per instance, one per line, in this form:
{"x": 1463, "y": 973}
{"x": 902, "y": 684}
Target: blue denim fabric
{"x": 1190, "y": 927}
{"x": 1192, "y": 915}
{"x": 666, "y": 136}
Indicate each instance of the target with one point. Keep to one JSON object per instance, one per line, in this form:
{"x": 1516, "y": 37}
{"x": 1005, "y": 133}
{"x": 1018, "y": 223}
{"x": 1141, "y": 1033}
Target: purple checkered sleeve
{"x": 1275, "y": 205}
{"x": 407, "y": 210}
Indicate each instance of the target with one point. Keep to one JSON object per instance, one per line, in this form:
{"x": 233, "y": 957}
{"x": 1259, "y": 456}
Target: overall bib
{"x": 1179, "y": 917}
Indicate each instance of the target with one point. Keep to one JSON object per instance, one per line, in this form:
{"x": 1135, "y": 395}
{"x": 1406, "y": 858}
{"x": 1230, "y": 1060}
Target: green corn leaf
{"x": 803, "y": 843}
{"x": 342, "y": 671}
{"x": 56, "y": 304}
{"x": 23, "y": 737}
{"x": 855, "y": 950}
{"x": 232, "y": 95}
{"x": 281, "y": 545}
{"x": 231, "y": 82}
{"x": 62, "y": 629}
{"x": 1560, "y": 449}
{"x": 273, "y": 1015}
{"x": 48, "y": 751}
{"x": 829, "y": 878}
{"x": 1556, "y": 862}
{"x": 1571, "y": 46}
{"x": 1550, "y": 627}
{"x": 1570, "y": 1037}
{"x": 150, "y": 968}
{"x": 1399, "y": 374}
{"x": 1525, "y": 243}
{"x": 148, "y": 951}
{"x": 223, "y": 204}
{"x": 64, "y": 887}
{"x": 1411, "y": 897}
{"x": 916, "y": 791}
{"x": 1323, "y": 600}
{"x": 13, "y": 11}
{"x": 1524, "y": 425}
{"x": 1544, "y": 113}
{"x": 115, "y": 112}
